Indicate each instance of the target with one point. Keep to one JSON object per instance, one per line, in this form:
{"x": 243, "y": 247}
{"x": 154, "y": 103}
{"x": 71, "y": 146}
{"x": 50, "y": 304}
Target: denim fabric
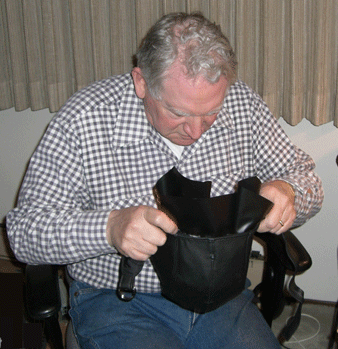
{"x": 101, "y": 320}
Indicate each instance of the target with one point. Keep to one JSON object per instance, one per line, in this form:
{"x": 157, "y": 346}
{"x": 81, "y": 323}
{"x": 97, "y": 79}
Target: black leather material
{"x": 205, "y": 264}
{"x": 204, "y": 217}
{"x": 219, "y": 220}
{"x": 200, "y": 273}
{"x": 129, "y": 269}
{"x": 189, "y": 204}
{"x": 175, "y": 185}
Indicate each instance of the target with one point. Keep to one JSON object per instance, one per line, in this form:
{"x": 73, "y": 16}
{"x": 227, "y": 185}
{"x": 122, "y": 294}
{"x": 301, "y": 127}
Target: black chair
{"x": 333, "y": 341}
{"x": 43, "y": 300}
{"x": 284, "y": 254}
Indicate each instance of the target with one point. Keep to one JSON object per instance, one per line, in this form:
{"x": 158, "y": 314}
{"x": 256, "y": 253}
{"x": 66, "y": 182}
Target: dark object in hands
{"x": 189, "y": 204}
{"x": 208, "y": 258}
{"x": 205, "y": 264}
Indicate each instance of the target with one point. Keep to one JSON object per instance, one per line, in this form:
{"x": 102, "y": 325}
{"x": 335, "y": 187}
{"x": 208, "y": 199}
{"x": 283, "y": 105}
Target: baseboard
{"x": 318, "y": 302}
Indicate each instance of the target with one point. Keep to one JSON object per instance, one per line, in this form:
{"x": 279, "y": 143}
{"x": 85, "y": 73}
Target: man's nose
{"x": 194, "y": 127}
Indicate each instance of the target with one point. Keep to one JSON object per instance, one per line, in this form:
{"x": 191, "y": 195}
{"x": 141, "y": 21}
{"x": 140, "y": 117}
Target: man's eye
{"x": 177, "y": 115}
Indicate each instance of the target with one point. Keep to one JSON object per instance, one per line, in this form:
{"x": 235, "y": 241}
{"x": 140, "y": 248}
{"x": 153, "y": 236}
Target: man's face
{"x": 188, "y": 107}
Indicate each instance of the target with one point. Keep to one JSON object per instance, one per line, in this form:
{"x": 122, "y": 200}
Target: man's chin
{"x": 184, "y": 141}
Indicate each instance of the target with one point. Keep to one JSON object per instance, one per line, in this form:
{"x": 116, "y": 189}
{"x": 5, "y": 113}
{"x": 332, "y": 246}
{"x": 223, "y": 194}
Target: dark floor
{"x": 313, "y": 332}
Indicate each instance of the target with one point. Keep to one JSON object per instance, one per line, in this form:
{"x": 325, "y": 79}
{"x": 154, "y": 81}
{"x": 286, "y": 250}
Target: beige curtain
{"x": 287, "y": 49}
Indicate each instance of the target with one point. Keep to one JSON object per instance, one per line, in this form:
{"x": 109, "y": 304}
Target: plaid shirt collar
{"x": 133, "y": 126}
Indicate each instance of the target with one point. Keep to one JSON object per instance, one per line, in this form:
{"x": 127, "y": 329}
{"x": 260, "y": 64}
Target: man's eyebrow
{"x": 182, "y": 113}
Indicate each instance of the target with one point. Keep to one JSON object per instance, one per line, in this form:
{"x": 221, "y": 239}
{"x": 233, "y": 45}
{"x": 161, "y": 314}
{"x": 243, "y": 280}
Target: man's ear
{"x": 139, "y": 82}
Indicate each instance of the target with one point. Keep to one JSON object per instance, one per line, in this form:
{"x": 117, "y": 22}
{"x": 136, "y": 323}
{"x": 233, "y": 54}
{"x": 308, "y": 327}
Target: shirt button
{"x": 76, "y": 294}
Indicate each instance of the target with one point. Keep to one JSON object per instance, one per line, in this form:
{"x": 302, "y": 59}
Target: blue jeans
{"x": 101, "y": 320}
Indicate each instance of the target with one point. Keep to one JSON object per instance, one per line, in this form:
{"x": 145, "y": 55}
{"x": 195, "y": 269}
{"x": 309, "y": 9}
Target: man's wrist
{"x": 109, "y": 227}
{"x": 282, "y": 185}
{"x": 290, "y": 189}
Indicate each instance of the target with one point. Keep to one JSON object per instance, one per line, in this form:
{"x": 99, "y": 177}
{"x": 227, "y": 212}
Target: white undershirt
{"x": 176, "y": 149}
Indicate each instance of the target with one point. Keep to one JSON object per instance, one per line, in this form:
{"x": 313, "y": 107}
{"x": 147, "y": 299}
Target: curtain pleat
{"x": 147, "y": 12}
{"x": 248, "y": 41}
{"x": 294, "y": 72}
{"x": 287, "y": 50}
{"x": 6, "y": 96}
{"x": 17, "y": 59}
{"x": 58, "y": 52}
{"x": 321, "y": 97}
{"x": 36, "y": 74}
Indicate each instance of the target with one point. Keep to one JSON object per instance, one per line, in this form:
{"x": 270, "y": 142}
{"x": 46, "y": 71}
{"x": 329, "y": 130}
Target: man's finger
{"x": 161, "y": 220}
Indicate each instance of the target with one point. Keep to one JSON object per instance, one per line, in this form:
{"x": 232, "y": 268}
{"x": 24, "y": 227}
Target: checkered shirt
{"x": 100, "y": 153}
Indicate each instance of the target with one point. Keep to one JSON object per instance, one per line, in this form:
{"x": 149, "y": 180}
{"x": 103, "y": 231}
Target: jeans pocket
{"x": 87, "y": 310}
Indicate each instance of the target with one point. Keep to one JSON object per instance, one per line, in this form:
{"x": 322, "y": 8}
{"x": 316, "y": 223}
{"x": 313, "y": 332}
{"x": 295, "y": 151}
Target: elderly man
{"x": 87, "y": 196}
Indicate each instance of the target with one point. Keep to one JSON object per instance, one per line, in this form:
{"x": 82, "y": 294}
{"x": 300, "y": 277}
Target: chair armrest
{"x": 42, "y": 291}
{"x": 283, "y": 253}
{"x": 288, "y": 250}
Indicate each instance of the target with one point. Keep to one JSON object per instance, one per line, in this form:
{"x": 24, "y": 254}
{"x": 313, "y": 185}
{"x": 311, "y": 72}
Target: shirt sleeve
{"x": 276, "y": 158}
{"x": 55, "y": 220}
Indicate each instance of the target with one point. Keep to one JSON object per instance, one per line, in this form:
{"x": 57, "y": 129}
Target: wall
{"x": 20, "y": 132}
{"x": 19, "y": 135}
{"x": 320, "y": 234}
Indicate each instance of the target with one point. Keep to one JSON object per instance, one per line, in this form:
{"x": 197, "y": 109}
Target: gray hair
{"x": 200, "y": 45}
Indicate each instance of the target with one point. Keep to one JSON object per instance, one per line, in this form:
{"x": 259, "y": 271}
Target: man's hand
{"x": 136, "y": 232}
{"x": 283, "y": 213}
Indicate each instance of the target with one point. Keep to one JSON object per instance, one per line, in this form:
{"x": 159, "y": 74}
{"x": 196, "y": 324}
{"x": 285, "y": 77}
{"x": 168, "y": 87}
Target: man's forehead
{"x": 180, "y": 112}
{"x": 176, "y": 77}
{"x": 185, "y": 96}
